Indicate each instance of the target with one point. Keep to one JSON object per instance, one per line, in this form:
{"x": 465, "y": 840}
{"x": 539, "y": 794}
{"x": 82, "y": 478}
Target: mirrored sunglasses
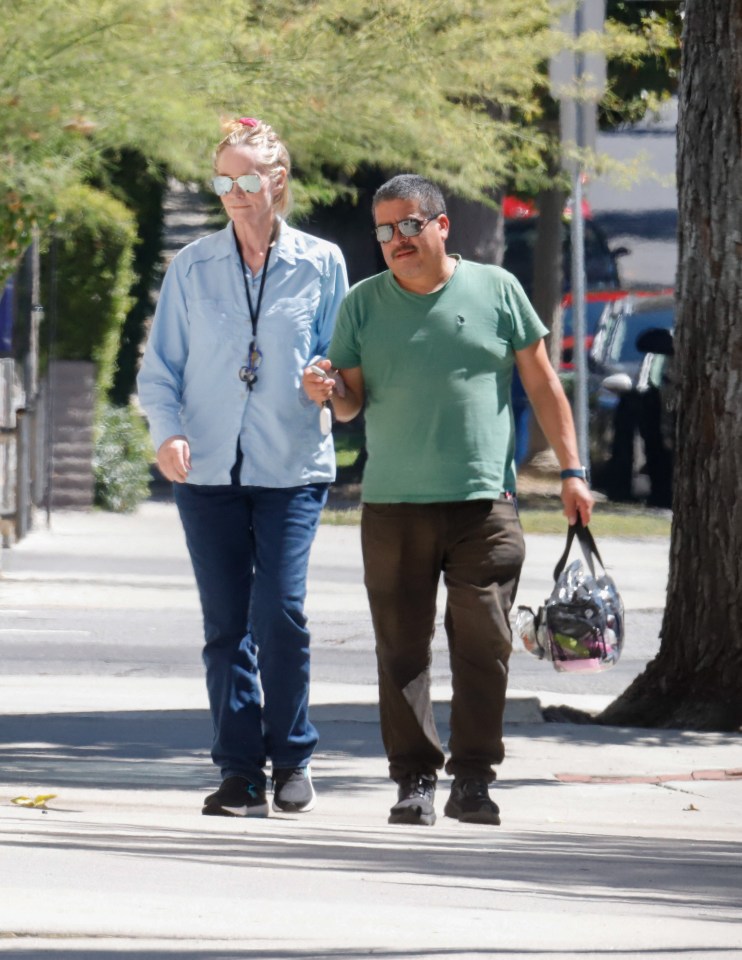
{"x": 410, "y": 227}
{"x": 249, "y": 182}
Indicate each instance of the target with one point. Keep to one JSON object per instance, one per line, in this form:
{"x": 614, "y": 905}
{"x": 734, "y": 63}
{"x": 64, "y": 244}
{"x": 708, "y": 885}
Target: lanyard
{"x": 255, "y": 311}
{"x": 249, "y": 373}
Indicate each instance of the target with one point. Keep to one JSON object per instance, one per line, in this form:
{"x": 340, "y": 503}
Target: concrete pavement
{"x": 614, "y": 841}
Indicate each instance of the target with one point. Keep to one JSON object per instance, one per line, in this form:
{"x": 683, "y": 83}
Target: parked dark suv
{"x": 632, "y": 400}
{"x": 601, "y": 262}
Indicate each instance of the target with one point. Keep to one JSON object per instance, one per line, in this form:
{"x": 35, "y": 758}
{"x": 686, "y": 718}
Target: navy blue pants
{"x": 250, "y": 552}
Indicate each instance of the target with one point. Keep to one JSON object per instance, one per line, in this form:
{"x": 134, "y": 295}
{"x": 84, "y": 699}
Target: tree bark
{"x": 477, "y": 231}
{"x": 695, "y": 682}
{"x": 548, "y": 285}
{"x": 548, "y": 273}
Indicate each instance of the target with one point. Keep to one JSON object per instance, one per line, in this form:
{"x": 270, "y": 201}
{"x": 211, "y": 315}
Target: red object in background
{"x": 515, "y": 208}
{"x": 606, "y": 296}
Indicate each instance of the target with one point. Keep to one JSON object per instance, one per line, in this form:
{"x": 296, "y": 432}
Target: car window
{"x": 594, "y": 310}
{"x": 605, "y": 333}
{"x": 520, "y": 239}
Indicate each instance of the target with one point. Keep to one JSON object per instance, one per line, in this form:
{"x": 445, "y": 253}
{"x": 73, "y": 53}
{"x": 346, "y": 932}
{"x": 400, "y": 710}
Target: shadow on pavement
{"x": 591, "y": 868}
{"x": 156, "y": 750}
{"x": 583, "y": 868}
{"x": 169, "y": 749}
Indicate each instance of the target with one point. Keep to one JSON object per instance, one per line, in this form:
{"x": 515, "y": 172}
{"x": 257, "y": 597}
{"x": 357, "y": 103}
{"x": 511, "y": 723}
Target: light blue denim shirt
{"x": 189, "y": 382}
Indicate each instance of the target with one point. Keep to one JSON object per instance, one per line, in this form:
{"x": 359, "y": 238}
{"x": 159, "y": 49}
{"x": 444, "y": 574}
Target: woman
{"x": 240, "y": 315}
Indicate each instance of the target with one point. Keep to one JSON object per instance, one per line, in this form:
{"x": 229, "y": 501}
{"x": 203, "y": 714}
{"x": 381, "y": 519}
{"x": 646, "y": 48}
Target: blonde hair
{"x": 273, "y": 156}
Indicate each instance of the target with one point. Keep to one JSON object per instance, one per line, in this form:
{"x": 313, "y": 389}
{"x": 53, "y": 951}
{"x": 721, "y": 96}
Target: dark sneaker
{"x": 236, "y": 797}
{"x": 293, "y": 791}
{"x": 415, "y": 801}
{"x": 470, "y": 802}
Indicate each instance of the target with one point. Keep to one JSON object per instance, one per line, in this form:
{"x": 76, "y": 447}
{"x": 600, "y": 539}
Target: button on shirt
{"x": 189, "y": 383}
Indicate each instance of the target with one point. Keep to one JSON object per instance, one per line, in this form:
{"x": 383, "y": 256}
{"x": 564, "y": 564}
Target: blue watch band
{"x": 579, "y": 472}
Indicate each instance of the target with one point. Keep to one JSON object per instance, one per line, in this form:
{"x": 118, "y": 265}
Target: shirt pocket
{"x": 217, "y": 321}
{"x": 289, "y": 323}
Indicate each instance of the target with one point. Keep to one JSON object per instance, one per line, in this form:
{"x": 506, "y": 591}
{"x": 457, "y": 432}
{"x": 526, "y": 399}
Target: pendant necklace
{"x": 249, "y": 372}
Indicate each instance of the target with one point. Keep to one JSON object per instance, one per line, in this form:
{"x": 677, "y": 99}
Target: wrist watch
{"x": 579, "y": 472}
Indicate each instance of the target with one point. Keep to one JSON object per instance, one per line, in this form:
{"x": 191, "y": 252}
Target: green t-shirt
{"x": 438, "y": 370}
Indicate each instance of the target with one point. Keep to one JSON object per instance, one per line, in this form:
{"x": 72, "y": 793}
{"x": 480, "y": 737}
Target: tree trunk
{"x": 548, "y": 273}
{"x": 548, "y": 283}
{"x": 477, "y": 231}
{"x": 695, "y": 682}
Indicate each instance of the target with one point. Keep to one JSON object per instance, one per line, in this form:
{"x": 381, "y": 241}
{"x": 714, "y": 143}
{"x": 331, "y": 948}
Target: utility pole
{"x": 578, "y": 82}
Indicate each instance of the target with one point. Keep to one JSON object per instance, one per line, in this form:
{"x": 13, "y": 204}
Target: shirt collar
{"x": 285, "y": 246}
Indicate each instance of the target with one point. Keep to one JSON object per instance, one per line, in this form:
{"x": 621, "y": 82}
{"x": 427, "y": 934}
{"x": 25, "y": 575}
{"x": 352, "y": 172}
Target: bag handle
{"x": 587, "y": 543}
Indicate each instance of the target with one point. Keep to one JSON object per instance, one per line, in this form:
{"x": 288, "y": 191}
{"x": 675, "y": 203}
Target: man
{"x": 430, "y": 346}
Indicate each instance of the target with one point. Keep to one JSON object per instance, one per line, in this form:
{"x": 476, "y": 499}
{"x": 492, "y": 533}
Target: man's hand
{"x": 577, "y": 499}
{"x": 317, "y": 388}
{"x": 174, "y": 459}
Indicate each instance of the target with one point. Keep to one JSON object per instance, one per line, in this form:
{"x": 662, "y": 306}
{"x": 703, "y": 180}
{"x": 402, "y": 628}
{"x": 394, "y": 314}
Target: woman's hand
{"x": 174, "y": 459}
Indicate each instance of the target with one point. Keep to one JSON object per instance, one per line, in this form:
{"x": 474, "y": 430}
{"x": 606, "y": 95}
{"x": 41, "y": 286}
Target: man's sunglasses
{"x": 410, "y": 227}
{"x": 249, "y": 182}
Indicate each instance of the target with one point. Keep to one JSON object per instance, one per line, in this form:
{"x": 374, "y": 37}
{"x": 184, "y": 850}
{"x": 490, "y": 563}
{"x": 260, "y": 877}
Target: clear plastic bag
{"x": 533, "y": 633}
{"x": 580, "y": 628}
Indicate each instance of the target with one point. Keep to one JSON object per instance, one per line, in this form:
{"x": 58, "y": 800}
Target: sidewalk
{"x": 619, "y": 841}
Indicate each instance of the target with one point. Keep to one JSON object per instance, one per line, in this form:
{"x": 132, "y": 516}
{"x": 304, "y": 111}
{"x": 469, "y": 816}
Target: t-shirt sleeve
{"x": 526, "y": 327}
{"x": 333, "y": 289}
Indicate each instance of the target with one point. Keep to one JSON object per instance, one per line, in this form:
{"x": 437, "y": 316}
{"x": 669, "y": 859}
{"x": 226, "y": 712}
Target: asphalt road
{"x": 167, "y": 643}
{"x": 132, "y": 609}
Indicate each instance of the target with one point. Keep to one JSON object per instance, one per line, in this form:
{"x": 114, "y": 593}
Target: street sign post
{"x": 578, "y": 81}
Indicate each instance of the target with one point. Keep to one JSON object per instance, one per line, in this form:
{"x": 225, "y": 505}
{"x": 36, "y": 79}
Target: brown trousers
{"x": 479, "y": 548}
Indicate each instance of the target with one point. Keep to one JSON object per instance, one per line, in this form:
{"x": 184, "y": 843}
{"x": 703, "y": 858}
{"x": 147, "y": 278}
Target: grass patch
{"x": 341, "y": 516}
{"x": 614, "y": 521}
{"x": 347, "y": 448}
{"x": 636, "y": 523}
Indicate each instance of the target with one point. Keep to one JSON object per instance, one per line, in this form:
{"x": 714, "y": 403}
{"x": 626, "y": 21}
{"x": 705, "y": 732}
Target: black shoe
{"x": 293, "y": 791}
{"x": 470, "y": 802}
{"x": 415, "y": 801}
{"x": 236, "y": 797}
